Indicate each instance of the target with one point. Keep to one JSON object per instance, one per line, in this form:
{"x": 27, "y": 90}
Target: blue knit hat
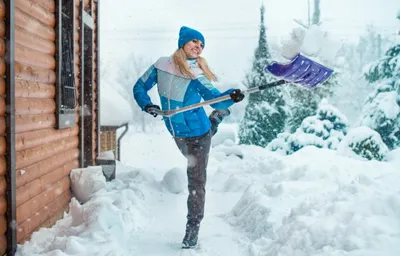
{"x": 186, "y": 34}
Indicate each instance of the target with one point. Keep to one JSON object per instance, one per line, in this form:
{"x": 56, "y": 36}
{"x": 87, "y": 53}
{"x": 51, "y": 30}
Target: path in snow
{"x": 164, "y": 234}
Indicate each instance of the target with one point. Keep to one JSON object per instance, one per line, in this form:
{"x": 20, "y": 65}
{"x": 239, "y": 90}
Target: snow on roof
{"x": 114, "y": 109}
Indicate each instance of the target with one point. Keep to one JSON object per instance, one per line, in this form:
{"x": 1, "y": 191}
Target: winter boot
{"x": 191, "y": 236}
{"x": 216, "y": 118}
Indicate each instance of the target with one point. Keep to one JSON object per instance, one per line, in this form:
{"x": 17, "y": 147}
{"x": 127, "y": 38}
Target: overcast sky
{"x": 150, "y": 28}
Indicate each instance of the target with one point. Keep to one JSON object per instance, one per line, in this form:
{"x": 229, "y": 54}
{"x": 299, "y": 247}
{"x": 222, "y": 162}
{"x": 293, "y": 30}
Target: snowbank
{"x": 313, "y": 202}
{"x": 87, "y": 181}
{"x": 101, "y": 226}
{"x": 320, "y": 204}
{"x": 225, "y": 132}
{"x": 175, "y": 180}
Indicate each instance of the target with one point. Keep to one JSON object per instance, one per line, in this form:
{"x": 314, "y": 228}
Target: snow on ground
{"x": 314, "y": 202}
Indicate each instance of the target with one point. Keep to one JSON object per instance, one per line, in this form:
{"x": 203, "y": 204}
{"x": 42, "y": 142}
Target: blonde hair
{"x": 179, "y": 58}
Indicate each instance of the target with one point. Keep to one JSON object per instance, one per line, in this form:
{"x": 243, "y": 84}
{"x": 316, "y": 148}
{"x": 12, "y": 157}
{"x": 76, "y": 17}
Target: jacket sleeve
{"x": 208, "y": 92}
{"x": 143, "y": 85}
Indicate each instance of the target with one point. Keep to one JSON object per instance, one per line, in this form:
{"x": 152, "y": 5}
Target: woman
{"x": 182, "y": 80}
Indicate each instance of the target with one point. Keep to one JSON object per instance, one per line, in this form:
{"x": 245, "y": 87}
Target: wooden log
{"x": 57, "y": 216}
{"x": 33, "y": 188}
{"x": 33, "y": 25}
{"x": 3, "y": 225}
{"x": 2, "y": 28}
{"x": 3, "y": 145}
{"x": 50, "y": 213}
{"x": 40, "y": 137}
{"x": 76, "y": 13}
{"x": 26, "y": 123}
{"x": 32, "y": 41}
{"x": 34, "y": 58}
{"x": 3, "y": 244}
{"x": 76, "y": 34}
{"x": 39, "y": 169}
{"x": 3, "y": 185}
{"x": 2, "y": 106}
{"x": 27, "y": 106}
{"x": 3, "y": 126}
{"x": 2, "y": 9}
{"x": 36, "y": 11}
{"x": 77, "y": 60}
{"x": 3, "y": 165}
{"x": 31, "y": 207}
{"x": 34, "y": 74}
{"x": 26, "y": 89}
{"x": 2, "y": 86}
{"x": 3, "y": 205}
{"x": 2, "y": 47}
{"x": 30, "y": 156}
{"x": 77, "y": 47}
{"x": 49, "y": 5}
{"x": 2, "y": 67}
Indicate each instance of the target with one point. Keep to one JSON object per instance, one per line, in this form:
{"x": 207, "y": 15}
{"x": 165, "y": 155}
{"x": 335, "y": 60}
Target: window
{"x": 66, "y": 98}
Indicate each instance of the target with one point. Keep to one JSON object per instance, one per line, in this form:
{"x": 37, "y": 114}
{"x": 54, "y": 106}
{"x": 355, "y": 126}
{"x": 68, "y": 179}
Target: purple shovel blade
{"x": 301, "y": 70}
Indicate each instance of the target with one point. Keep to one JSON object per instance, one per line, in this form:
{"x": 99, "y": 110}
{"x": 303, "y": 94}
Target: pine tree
{"x": 265, "y": 114}
{"x": 381, "y": 111}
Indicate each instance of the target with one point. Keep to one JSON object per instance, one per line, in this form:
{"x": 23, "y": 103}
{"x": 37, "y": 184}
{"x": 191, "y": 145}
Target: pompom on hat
{"x": 187, "y": 34}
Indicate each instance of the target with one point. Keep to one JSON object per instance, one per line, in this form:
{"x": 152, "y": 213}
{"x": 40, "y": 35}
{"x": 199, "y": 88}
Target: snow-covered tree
{"x": 305, "y": 102}
{"x": 381, "y": 111}
{"x": 265, "y": 113}
{"x": 323, "y": 130}
{"x": 363, "y": 142}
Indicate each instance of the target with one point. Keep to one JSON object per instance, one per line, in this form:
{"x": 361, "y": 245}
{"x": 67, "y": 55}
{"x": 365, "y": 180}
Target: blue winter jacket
{"x": 177, "y": 91}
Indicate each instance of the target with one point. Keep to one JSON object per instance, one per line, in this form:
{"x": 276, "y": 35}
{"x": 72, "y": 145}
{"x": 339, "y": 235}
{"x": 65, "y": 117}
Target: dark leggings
{"x": 196, "y": 151}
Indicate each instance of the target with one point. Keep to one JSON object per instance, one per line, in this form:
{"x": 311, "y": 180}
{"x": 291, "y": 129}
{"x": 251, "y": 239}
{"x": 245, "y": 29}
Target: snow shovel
{"x": 301, "y": 70}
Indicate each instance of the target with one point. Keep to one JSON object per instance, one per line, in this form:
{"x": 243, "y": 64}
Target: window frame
{"x": 65, "y": 115}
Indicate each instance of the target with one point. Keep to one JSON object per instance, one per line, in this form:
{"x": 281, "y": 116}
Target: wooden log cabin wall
{"x": 48, "y": 58}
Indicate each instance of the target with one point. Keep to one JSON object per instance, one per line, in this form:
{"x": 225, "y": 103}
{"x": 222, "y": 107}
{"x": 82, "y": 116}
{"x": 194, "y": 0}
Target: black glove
{"x": 236, "y": 95}
{"x": 148, "y": 108}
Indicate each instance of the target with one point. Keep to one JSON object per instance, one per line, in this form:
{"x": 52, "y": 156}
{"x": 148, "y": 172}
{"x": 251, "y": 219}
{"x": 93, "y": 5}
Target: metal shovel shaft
{"x": 169, "y": 113}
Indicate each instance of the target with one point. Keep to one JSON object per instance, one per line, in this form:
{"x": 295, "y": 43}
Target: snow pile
{"x": 320, "y": 204}
{"x": 101, "y": 226}
{"x": 394, "y": 156}
{"x": 175, "y": 180}
{"x": 85, "y": 182}
{"x": 228, "y": 148}
{"x": 313, "y": 202}
{"x": 363, "y": 143}
{"x": 251, "y": 213}
{"x": 313, "y": 42}
{"x": 225, "y": 132}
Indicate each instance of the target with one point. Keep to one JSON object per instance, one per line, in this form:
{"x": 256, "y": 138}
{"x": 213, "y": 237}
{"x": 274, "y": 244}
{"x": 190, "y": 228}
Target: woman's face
{"x": 193, "y": 48}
